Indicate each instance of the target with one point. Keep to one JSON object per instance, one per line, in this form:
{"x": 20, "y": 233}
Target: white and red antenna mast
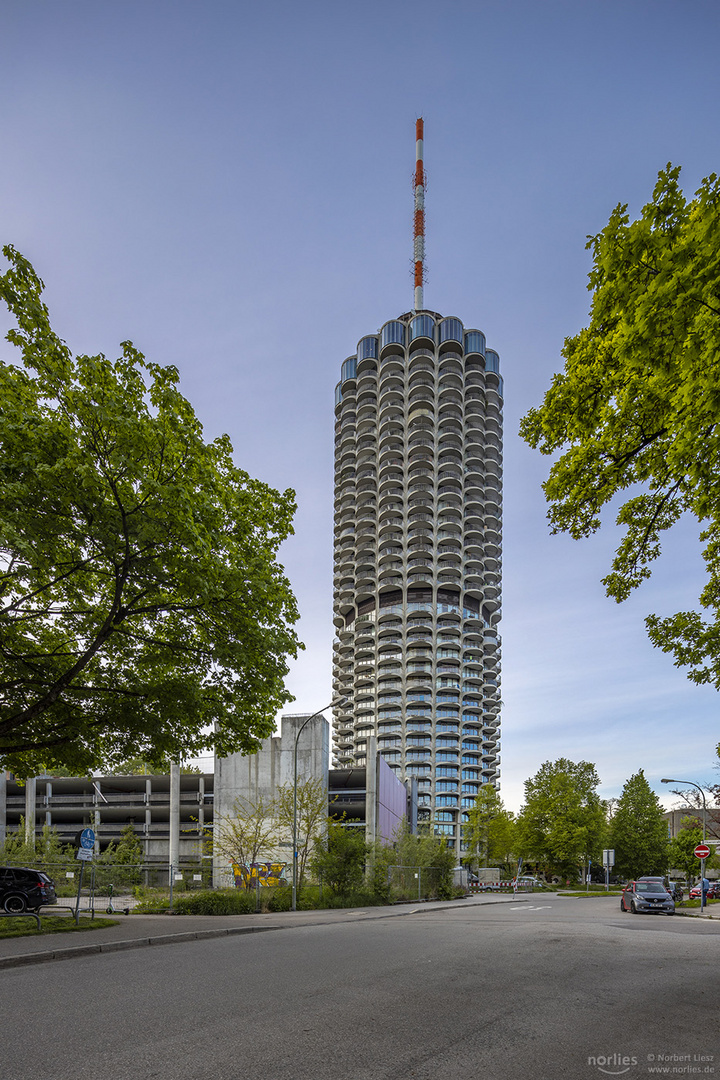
{"x": 419, "y": 218}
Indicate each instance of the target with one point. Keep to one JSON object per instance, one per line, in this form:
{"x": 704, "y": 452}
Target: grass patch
{"x": 591, "y": 895}
{"x": 695, "y": 903}
{"x": 50, "y": 924}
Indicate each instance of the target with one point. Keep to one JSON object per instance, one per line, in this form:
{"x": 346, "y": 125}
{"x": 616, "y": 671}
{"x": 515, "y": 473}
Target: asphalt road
{"x": 541, "y": 988}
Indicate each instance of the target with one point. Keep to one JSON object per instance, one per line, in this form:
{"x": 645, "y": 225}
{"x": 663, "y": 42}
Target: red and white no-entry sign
{"x": 702, "y": 851}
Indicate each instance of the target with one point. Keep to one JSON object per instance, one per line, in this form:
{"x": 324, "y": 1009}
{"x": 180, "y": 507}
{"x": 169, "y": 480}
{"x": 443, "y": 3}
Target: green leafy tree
{"x": 682, "y": 847}
{"x": 312, "y": 817}
{"x": 489, "y": 832}
{"x": 44, "y": 851}
{"x": 338, "y": 858}
{"x": 428, "y": 855}
{"x": 562, "y": 823}
{"x": 381, "y": 857}
{"x": 707, "y": 810}
{"x": 138, "y": 766}
{"x": 142, "y": 610}
{"x": 121, "y": 861}
{"x": 250, "y": 833}
{"x": 638, "y": 831}
{"x": 636, "y": 412}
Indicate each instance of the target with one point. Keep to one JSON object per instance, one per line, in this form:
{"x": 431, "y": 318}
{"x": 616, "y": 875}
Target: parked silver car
{"x": 643, "y": 897}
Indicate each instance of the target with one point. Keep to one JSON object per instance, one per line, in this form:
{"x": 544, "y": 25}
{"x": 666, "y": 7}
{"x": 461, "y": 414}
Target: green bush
{"x": 280, "y": 900}
{"x": 153, "y": 902}
{"x": 216, "y": 902}
{"x": 354, "y": 898}
{"x": 339, "y": 857}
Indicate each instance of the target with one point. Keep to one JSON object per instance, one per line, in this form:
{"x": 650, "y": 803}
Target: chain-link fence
{"x": 418, "y": 882}
{"x": 106, "y": 886}
{"x": 101, "y": 885}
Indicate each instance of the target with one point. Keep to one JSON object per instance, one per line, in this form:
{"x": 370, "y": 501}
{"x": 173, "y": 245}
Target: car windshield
{"x": 650, "y": 887}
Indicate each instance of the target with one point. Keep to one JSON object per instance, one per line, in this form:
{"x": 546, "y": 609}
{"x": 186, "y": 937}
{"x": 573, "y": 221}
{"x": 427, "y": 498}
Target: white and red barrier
{"x": 498, "y": 886}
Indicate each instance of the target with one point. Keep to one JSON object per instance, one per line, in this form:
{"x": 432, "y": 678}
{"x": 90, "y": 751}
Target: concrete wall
{"x": 252, "y": 777}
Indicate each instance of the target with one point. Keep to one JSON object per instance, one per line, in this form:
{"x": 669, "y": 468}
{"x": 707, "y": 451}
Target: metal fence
{"x": 102, "y": 884}
{"x": 423, "y": 882}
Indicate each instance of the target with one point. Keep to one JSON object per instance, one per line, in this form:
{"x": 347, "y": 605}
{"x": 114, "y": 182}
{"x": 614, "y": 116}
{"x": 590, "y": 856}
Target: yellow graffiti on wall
{"x": 259, "y": 874}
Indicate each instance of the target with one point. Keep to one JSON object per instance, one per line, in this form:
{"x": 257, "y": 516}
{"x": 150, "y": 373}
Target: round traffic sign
{"x": 702, "y": 851}
{"x": 87, "y": 838}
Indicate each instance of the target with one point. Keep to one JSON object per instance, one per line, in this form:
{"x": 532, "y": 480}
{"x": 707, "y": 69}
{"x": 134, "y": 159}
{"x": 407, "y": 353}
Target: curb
{"x": 24, "y": 959}
{"x": 71, "y": 953}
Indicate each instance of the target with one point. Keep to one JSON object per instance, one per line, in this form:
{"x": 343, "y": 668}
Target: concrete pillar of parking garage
{"x": 30, "y": 794}
{"x": 148, "y": 816}
{"x": 3, "y": 806}
{"x": 97, "y": 817}
{"x": 201, "y": 808}
{"x": 174, "y": 847}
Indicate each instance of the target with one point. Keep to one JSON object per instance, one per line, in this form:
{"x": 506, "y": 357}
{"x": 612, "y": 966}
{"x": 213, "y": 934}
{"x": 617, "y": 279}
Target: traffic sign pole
{"x": 701, "y": 852}
{"x": 77, "y": 905}
{"x": 84, "y": 854}
{"x": 702, "y": 891}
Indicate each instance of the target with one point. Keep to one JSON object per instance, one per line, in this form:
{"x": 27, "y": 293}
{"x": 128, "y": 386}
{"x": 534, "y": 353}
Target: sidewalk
{"x": 138, "y": 931}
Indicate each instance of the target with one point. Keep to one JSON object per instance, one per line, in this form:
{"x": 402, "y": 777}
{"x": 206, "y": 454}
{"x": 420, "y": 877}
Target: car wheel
{"x": 14, "y": 904}
{"x": 632, "y": 907}
{"x": 622, "y": 905}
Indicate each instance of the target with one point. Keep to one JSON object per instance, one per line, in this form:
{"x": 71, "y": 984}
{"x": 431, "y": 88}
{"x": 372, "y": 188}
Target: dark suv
{"x": 22, "y": 889}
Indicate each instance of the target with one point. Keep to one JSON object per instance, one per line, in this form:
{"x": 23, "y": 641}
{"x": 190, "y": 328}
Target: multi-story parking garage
{"x": 417, "y": 559}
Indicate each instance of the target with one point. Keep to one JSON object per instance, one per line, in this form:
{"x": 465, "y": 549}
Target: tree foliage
{"x": 705, "y": 810}
{"x": 428, "y": 855}
{"x": 562, "y": 823}
{"x": 121, "y": 861}
{"x": 638, "y": 831}
{"x": 312, "y": 817}
{"x": 489, "y": 831}
{"x": 44, "y": 851}
{"x": 682, "y": 850}
{"x": 636, "y": 412}
{"x": 142, "y": 610}
{"x": 338, "y": 858}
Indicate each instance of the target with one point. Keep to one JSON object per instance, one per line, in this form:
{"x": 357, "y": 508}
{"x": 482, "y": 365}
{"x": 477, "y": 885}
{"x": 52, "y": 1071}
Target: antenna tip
{"x": 419, "y": 128}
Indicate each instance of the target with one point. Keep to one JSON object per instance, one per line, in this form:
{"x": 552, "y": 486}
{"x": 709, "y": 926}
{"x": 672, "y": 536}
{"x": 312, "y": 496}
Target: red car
{"x": 713, "y": 892}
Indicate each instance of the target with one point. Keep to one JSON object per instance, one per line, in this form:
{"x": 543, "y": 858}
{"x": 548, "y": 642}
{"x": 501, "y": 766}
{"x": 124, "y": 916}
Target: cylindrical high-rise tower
{"x": 418, "y": 481}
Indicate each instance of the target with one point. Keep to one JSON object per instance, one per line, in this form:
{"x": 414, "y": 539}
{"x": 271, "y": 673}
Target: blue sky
{"x": 229, "y": 185}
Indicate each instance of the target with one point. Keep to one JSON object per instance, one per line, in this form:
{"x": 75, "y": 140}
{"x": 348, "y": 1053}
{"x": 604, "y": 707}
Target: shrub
{"x": 354, "y": 898}
{"x": 152, "y": 902}
{"x": 339, "y": 858}
{"x": 280, "y": 900}
{"x": 216, "y": 902}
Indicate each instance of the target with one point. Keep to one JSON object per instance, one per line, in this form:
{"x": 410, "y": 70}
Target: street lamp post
{"x": 339, "y": 701}
{"x": 702, "y": 861}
